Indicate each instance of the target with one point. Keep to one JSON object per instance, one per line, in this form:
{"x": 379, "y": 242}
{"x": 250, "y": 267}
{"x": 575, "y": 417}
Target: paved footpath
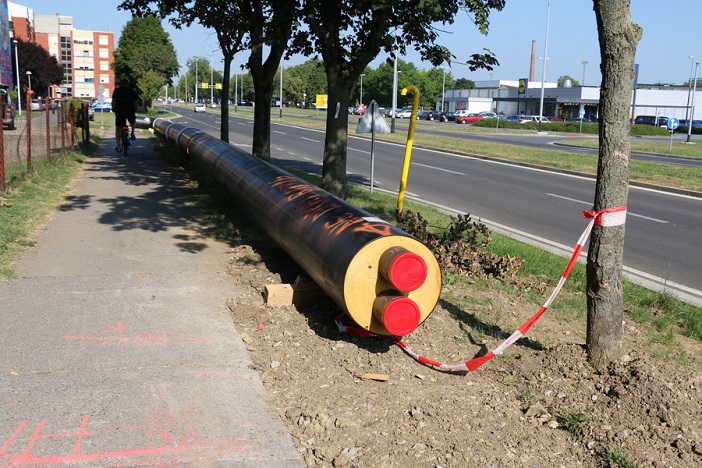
{"x": 116, "y": 347}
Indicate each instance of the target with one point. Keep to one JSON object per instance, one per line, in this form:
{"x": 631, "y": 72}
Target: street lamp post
{"x": 543, "y": 70}
{"x": 19, "y": 93}
{"x": 29, "y": 78}
{"x": 584, "y": 62}
{"x": 360, "y": 102}
{"x": 692, "y": 104}
{"x": 443, "y": 89}
{"x": 689, "y": 91}
{"x": 196, "y": 79}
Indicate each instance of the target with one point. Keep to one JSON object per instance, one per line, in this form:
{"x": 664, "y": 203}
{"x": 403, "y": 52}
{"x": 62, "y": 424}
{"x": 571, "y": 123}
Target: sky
{"x": 670, "y": 37}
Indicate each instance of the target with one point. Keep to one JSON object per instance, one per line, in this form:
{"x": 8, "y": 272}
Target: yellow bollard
{"x": 408, "y": 148}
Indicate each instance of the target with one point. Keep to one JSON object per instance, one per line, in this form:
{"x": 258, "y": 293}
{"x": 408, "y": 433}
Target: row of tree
{"x": 301, "y": 83}
{"x": 330, "y": 30}
{"x": 272, "y": 29}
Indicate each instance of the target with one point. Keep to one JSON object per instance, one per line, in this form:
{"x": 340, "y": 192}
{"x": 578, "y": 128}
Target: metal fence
{"x": 61, "y": 126}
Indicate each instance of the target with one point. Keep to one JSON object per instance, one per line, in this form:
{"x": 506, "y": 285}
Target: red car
{"x": 469, "y": 119}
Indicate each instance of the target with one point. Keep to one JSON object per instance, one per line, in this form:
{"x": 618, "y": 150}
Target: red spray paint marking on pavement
{"x": 115, "y": 335}
{"x": 171, "y": 436}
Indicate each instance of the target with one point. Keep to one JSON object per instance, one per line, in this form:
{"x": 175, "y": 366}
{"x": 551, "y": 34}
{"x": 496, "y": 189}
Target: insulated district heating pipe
{"x": 381, "y": 277}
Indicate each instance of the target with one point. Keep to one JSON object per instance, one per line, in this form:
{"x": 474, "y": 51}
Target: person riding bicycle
{"x": 124, "y": 105}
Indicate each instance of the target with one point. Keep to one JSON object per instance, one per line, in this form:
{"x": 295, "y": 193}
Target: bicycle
{"x": 125, "y": 140}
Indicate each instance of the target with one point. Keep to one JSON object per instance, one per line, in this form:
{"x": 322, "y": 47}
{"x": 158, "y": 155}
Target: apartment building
{"x": 85, "y": 56}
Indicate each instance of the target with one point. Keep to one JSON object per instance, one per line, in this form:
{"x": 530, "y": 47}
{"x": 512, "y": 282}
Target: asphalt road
{"x": 662, "y": 237}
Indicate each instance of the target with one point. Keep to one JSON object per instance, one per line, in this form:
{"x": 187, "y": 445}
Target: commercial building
{"x": 521, "y": 97}
{"x": 85, "y": 56}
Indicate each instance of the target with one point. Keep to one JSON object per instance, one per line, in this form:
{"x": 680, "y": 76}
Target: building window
{"x": 104, "y": 53}
{"x": 103, "y": 40}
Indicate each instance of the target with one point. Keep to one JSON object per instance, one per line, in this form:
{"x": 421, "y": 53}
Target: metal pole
{"x": 689, "y": 92}
{"x": 196, "y": 80}
{"x": 584, "y": 62}
{"x": 543, "y": 70}
{"x": 236, "y": 85}
{"x": 19, "y": 93}
{"x": 394, "y": 87}
{"x": 211, "y": 81}
{"x": 281, "y": 90}
{"x": 443, "y": 89}
{"x": 360, "y": 101}
{"x": 692, "y": 104}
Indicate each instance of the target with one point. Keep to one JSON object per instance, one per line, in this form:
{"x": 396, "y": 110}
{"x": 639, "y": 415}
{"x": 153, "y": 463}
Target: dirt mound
{"x": 540, "y": 404}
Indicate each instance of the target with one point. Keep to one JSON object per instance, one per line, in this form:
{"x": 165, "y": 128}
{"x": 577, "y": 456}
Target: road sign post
{"x": 673, "y": 123}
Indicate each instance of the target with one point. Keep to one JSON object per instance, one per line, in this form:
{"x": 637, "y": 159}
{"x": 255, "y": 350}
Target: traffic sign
{"x": 673, "y": 123}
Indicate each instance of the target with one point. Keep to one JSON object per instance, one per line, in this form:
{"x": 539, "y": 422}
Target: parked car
{"x": 488, "y": 115}
{"x": 37, "y": 105}
{"x": 656, "y": 120}
{"x": 91, "y": 113}
{"x": 405, "y": 113}
{"x": 579, "y": 119}
{"x": 104, "y": 107}
{"x": 8, "y": 115}
{"x": 468, "y": 119}
{"x": 532, "y": 118}
{"x": 452, "y": 116}
{"x": 434, "y": 115}
{"x": 695, "y": 123}
{"x": 200, "y": 107}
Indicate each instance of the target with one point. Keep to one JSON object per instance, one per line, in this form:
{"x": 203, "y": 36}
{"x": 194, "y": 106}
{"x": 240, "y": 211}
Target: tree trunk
{"x": 224, "y": 101}
{"x": 263, "y": 73}
{"x": 618, "y": 38}
{"x": 334, "y": 159}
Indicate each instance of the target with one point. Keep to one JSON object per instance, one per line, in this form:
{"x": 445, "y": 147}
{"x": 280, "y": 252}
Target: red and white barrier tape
{"x": 609, "y": 217}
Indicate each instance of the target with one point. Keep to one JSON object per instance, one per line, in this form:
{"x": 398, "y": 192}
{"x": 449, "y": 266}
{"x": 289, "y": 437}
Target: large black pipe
{"x": 384, "y": 279}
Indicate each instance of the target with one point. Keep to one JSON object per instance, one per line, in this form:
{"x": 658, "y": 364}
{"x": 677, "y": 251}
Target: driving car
{"x": 200, "y": 107}
{"x": 468, "y": 119}
{"x": 579, "y": 119}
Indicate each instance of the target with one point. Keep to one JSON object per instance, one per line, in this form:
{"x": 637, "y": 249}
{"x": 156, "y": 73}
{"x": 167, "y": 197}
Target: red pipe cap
{"x": 407, "y": 271}
{"x": 401, "y": 316}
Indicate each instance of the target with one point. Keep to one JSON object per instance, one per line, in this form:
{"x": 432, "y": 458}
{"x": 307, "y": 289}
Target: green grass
{"x": 640, "y": 171}
{"x": 692, "y": 149}
{"x": 28, "y": 200}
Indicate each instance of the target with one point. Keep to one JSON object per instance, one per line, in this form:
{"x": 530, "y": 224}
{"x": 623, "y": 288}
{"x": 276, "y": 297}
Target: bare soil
{"x": 538, "y": 405}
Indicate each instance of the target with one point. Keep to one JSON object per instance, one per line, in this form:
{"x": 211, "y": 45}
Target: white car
{"x": 200, "y": 107}
{"x": 404, "y": 113}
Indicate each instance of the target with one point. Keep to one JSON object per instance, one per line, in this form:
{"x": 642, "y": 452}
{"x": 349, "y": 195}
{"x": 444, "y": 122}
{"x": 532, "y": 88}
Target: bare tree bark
{"x": 618, "y": 38}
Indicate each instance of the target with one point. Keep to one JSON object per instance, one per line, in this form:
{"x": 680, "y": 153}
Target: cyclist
{"x": 124, "y": 105}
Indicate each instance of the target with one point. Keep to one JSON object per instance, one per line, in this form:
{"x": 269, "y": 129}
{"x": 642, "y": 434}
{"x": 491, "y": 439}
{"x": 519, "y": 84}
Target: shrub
{"x": 460, "y": 248}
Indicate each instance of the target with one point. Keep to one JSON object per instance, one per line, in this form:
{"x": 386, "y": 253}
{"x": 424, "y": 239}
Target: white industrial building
{"x": 504, "y": 97}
